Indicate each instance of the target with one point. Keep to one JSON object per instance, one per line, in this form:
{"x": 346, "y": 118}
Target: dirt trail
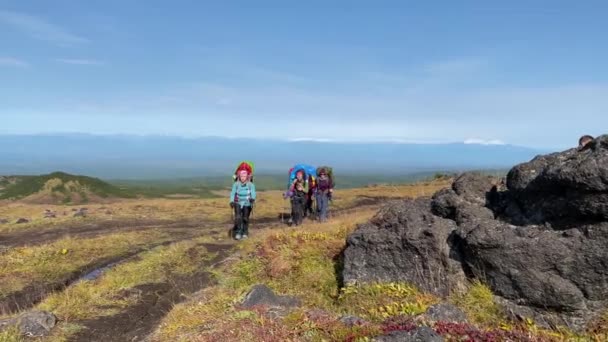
{"x": 93, "y": 229}
{"x": 36, "y": 237}
{"x": 155, "y": 301}
{"x": 33, "y": 294}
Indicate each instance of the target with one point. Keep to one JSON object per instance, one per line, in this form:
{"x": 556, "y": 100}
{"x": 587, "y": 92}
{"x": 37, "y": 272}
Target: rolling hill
{"x": 58, "y": 187}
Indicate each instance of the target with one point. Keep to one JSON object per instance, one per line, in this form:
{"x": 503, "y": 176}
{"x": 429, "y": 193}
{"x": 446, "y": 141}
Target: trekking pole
{"x": 232, "y": 222}
{"x": 285, "y": 208}
{"x": 252, "y": 215}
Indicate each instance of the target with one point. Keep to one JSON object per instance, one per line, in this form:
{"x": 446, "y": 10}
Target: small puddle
{"x": 96, "y": 273}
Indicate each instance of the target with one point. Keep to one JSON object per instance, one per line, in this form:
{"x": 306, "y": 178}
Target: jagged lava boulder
{"x": 404, "y": 242}
{"x": 540, "y": 243}
{"x": 570, "y": 186}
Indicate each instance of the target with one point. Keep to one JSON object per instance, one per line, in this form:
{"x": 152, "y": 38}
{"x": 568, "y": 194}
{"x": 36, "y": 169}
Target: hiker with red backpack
{"x": 324, "y": 190}
{"x": 242, "y": 199}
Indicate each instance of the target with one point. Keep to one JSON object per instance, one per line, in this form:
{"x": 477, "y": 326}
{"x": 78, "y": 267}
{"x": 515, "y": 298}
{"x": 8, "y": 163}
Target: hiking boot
{"x": 238, "y": 236}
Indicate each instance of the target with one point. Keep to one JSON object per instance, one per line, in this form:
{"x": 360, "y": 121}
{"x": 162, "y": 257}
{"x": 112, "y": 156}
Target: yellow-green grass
{"x": 269, "y": 205}
{"x": 49, "y": 263}
{"x": 11, "y": 335}
{"x": 379, "y": 301}
{"x": 478, "y": 302}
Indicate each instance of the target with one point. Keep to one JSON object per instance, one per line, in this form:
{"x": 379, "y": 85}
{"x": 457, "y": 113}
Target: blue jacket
{"x": 242, "y": 193}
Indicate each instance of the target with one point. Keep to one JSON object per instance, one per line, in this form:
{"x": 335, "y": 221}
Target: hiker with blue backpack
{"x": 298, "y": 191}
{"x": 242, "y": 199}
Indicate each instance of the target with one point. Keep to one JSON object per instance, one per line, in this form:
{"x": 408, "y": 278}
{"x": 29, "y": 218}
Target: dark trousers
{"x": 241, "y": 219}
{"x": 297, "y": 209}
{"x": 308, "y": 207}
{"x": 322, "y": 205}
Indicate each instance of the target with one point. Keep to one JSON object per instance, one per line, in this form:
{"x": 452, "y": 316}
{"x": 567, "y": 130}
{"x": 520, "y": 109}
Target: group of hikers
{"x": 306, "y": 185}
{"x": 309, "y": 189}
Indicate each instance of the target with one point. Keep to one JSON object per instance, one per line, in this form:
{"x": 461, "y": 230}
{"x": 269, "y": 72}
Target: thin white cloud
{"x": 475, "y": 141}
{"x": 39, "y": 28}
{"x": 311, "y": 140}
{"x": 92, "y": 62}
{"x": 13, "y": 62}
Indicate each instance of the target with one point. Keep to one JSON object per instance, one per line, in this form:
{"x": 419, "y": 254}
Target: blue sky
{"x": 530, "y": 73}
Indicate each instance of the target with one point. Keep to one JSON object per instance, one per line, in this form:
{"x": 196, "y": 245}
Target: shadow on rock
{"x": 538, "y": 238}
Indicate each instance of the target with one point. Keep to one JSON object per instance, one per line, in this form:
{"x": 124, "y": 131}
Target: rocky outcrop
{"x": 538, "y": 240}
{"x": 403, "y": 242}
{"x": 351, "y": 321}
{"x": 261, "y": 296}
{"x": 444, "y": 312}
{"x": 82, "y": 212}
{"x": 31, "y": 324}
{"x": 564, "y": 188}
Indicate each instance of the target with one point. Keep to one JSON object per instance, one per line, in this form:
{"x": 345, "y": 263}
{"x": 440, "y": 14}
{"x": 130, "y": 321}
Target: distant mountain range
{"x": 126, "y": 156}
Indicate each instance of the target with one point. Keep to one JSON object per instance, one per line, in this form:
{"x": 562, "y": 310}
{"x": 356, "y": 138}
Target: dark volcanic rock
{"x": 422, "y": 334}
{"x": 49, "y": 214}
{"x": 3, "y": 221}
{"x": 571, "y": 185}
{"x": 262, "y": 295}
{"x": 351, "y": 321}
{"x": 31, "y": 324}
{"x": 22, "y": 220}
{"x": 404, "y": 242}
{"x": 81, "y": 213}
{"x": 473, "y": 187}
{"x": 543, "y": 268}
{"x": 539, "y": 243}
{"x": 445, "y": 313}
{"x": 36, "y": 323}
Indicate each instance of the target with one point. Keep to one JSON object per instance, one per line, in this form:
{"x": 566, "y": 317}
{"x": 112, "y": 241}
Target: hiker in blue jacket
{"x": 242, "y": 198}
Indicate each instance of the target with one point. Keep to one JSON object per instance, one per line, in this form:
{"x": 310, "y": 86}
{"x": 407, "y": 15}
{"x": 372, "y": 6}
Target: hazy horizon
{"x": 367, "y": 140}
{"x": 127, "y": 156}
